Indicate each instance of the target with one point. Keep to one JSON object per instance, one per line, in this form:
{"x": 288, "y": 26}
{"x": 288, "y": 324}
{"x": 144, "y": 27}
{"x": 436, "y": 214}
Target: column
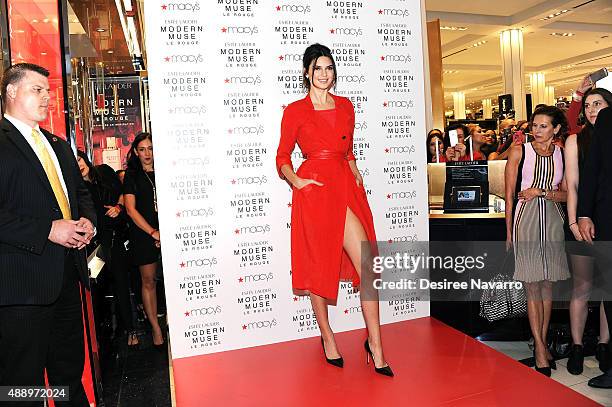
{"x": 487, "y": 109}
{"x": 434, "y": 51}
{"x": 511, "y": 46}
{"x": 459, "y": 105}
{"x": 538, "y": 89}
{"x": 550, "y": 96}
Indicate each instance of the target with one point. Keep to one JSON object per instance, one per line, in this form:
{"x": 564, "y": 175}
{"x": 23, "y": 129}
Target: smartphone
{"x": 598, "y": 75}
{"x": 453, "y": 137}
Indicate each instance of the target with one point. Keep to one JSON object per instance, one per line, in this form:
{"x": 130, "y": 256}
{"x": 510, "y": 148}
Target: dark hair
{"x": 584, "y": 136}
{"x": 15, "y": 73}
{"x": 430, "y": 136}
{"x": 81, "y": 154}
{"x": 133, "y": 163}
{"x": 557, "y": 117}
{"x": 313, "y": 53}
{"x": 102, "y": 175}
{"x": 539, "y": 105}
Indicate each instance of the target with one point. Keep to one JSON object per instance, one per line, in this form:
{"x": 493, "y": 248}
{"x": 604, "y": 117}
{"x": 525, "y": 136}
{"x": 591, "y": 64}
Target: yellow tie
{"x": 54, "y": 180}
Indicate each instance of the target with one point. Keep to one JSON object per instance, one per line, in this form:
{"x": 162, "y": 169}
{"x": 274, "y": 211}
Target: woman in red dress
{"x": 330, "y": 215}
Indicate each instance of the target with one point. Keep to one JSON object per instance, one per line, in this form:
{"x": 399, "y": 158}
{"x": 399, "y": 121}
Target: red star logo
{"x": 233, "y": 182}
{"x": 390, "y": 241}
{"x": 281, "y": 58}
{"x": 382, "y": 58}
{"x": 182, "y": 264}
{"x": 385, "y": 104}
{"x": 346, "y": 311}
{"x": 230, "y": 131}
{"x": 164, "y": 7}
{"x": 178, "y": 214}
{"x": 227, "y": 81}
{"x": 332, "y": 31}
{"x": 289, "y": 205}
{"x": 244, "y": 327}
{"x": 237, "y": 231}
{"x": 278, "y": 8}
{"x": 284, "y": 107}
{"x": 241, "y": 280}
{"x": 295, "y": 298}
{"x": 174, "y": 163}
{"x": 224, "y": 30}
{"x": 186, "y": 313}
{"x": 388, "y": 196}
{"x": 386, "y": 150}
{"x": 167, "y": 59}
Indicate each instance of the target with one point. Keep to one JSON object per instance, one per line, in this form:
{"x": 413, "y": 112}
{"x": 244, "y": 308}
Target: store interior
{"x": 96, "y": 52}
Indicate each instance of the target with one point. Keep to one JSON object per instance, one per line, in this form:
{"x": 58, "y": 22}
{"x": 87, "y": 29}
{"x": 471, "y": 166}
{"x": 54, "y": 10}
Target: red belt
{"x": 325, "y": 155}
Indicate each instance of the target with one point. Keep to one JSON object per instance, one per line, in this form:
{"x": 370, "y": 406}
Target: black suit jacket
{"x": 595, "y": 188}
{"x": 31, "y": 266}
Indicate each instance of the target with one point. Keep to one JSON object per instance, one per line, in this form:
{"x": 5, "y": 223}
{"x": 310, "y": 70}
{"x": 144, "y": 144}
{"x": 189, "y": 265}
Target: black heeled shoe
{"x": 543, "y": 370}
{"x": 385, "y": 370}
{"x": 338, "y": 362}
{"x": 162, "y": 346}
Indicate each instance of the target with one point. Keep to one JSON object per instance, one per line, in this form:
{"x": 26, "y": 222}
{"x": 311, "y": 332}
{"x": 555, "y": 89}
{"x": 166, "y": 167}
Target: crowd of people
{"x": 549, "y": 160}
{"x": 128, "y": 237}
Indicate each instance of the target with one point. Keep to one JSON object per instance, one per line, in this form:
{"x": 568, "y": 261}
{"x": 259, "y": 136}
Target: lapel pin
{"x": 54, "y": 138}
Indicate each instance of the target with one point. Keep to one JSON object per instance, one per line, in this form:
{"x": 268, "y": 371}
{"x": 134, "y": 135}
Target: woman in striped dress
{"x": 534, "y": 221}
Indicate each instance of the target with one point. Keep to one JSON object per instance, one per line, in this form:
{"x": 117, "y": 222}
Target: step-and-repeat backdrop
{"x": 220, "y": 74}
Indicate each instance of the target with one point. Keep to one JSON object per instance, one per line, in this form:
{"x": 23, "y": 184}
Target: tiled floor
{"x": 521, "y": 350}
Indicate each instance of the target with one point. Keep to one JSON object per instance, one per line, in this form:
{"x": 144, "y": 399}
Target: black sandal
{"x": 132, "y": 339}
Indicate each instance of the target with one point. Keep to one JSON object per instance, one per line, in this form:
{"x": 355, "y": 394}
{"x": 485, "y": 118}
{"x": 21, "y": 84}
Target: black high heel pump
{"x": 543, "y": 370}
{"x": 338, "y": 362}
{"x": 385, "y": 370}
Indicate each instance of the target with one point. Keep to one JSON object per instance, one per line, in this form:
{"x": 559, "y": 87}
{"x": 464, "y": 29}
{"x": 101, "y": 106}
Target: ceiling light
{"x": 479, "y": 43}
{"x": 453, "y": 28}
{"x": 562, "y": 34}
{"x": 100, "y": 29}
{"x": 557, "y": 14}
{"x": 46, "y": 20}
{"x": 110, "y": 51}
{"x": 43, "y": 53}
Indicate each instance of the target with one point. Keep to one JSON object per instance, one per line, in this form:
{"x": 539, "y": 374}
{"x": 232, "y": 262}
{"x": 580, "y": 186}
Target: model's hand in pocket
{"x": 302, "y": 182}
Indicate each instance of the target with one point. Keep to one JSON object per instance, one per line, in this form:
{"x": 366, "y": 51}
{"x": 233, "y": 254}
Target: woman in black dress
{"x": 140, "y": 197}
{"x": 105, "y": 189}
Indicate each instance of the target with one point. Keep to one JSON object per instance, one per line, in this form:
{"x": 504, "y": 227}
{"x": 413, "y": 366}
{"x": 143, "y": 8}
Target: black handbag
{"x": 497, "y": 304}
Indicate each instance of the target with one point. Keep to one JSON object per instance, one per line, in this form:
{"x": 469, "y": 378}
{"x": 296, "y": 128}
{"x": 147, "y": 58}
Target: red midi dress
{"x": 318, "y": 213}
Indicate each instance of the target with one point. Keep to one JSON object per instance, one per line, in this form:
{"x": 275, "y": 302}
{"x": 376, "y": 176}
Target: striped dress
{"x": 537, "y": 232}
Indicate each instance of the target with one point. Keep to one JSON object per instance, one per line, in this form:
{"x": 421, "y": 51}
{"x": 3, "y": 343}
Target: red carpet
{"x": 433, "y": 363}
